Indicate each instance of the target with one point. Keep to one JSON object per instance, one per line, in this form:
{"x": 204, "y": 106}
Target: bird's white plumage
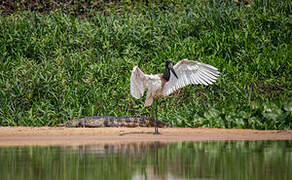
{"x": 188, "y": 72}
{"x": 137, "y": 84}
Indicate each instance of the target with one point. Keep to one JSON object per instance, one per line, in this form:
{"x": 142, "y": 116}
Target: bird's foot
{"x": 156, "y": 133}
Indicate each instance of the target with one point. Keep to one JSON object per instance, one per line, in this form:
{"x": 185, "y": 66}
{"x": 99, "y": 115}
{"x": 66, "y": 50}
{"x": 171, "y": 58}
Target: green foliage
{"x": 56, "y": 66}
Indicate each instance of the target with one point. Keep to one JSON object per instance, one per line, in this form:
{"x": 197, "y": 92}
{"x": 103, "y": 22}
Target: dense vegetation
{"x": 61, "y": 62}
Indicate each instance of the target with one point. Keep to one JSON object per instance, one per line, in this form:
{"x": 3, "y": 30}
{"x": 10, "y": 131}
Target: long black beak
{"x": 172, "y": 70}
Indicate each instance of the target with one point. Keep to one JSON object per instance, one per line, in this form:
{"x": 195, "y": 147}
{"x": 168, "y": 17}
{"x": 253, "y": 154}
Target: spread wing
{"x": 190, "y": 72}
{"x": 137, "y": 83}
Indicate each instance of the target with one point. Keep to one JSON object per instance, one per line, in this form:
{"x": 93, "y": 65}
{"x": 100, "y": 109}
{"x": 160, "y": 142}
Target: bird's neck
{"x": 166, "y": 74}
{"x": 162, "y": 78}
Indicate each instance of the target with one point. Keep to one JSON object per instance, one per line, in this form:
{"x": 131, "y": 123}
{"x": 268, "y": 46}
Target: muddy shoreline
{"x": 47, "y": 136}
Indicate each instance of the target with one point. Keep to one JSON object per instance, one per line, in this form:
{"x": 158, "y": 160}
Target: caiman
{"x": 111, "y": 121}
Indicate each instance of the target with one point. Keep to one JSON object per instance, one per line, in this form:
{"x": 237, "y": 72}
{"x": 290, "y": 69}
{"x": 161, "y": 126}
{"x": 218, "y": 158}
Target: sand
{"x": 47, "y": 136}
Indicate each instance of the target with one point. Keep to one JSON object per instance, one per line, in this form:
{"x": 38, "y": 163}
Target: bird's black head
{"x": 168, "y": 62}
{"x": 168, "y": 68}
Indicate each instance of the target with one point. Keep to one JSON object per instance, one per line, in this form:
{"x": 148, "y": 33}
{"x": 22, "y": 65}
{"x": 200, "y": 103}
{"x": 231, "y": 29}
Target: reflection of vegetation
{"x": 66, "y": 59}
{"x": 223, "y": 160}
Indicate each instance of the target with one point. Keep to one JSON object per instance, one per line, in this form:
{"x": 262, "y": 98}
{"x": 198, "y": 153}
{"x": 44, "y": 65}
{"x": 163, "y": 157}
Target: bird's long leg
{"x": 153, "y": 115}
{"x": 156, "y": 117}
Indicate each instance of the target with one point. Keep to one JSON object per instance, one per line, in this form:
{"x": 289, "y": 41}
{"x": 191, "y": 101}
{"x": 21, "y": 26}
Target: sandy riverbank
{"x": 21, "y": 136}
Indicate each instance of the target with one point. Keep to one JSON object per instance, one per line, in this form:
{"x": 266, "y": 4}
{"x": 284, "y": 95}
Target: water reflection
{"x": 188, "y": 160}
{"x": 128, "y": 148}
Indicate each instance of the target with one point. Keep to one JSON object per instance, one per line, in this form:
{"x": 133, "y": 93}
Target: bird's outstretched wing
{"x": 137, "y": 83}
{"x": 190, "y": 72}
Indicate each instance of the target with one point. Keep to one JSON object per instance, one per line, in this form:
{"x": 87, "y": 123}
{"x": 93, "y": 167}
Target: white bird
{"x": 185, "y": 72}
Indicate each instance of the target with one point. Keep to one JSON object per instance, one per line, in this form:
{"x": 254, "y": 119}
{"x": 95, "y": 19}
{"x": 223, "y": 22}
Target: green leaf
{"x": 288, "y": 106}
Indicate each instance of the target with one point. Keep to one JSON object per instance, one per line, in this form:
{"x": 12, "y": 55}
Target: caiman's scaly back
{"x": 111, "y": 121}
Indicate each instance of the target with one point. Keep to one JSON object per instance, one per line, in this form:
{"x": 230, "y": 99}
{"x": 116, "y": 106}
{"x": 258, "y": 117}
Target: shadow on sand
{"x": 129, "y": 133}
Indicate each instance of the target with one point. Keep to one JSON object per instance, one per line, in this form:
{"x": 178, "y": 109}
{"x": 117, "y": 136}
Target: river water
{"x": 184, "y": 160}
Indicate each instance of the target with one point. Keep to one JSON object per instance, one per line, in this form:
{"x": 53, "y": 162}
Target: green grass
{"x": 56, "y": 66}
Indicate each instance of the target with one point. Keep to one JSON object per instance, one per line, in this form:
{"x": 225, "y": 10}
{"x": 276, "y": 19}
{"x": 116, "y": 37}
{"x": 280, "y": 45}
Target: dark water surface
{"x": 187, "y": 160}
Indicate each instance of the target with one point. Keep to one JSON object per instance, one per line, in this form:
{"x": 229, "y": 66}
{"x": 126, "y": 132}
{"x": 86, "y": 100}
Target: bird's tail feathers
{"x": 148, "y": 101}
